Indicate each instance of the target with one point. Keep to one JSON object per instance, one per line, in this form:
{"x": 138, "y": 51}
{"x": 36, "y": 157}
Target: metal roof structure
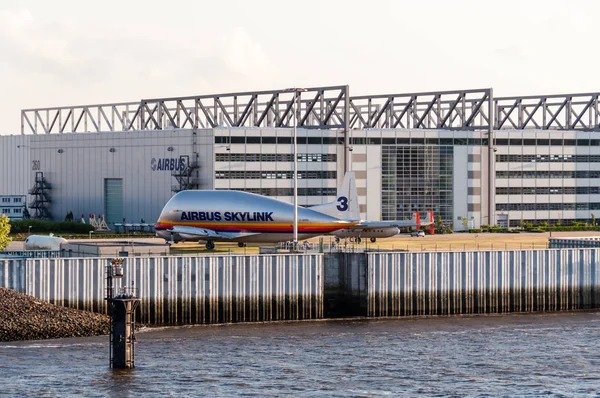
{"x": 328, "y": 107}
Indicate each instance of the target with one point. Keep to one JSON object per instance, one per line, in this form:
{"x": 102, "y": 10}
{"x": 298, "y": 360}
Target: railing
{"x": 31, "y": 253}
{"x": 126, "y": 292}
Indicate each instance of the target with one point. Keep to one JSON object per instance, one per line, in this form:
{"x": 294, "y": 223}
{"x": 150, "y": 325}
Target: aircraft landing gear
{"x": 337, "y": 239}
{"x": 358, "y": 239}
{"x": 373, "y": 240}
{"x": 241, "y": 244}
{"x": 210, "y": 245}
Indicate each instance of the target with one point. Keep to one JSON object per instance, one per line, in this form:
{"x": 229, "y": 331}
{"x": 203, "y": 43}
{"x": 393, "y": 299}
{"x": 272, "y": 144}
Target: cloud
{"x": 65, "y": 62}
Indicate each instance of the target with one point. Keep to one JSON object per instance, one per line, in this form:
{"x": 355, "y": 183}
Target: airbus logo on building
{"x": 167, "y": 164}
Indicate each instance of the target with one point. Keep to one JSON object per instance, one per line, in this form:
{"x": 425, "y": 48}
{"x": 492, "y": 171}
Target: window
{"x": 289, "y": 192}
{"x": 5, "y": 211}
{"x": 274, "y": 157}
{"x": 272, "y": 175}
{"x": 17, "y": 211}
{"x": 545, "y": 206}
{"x": 17, "y": 200}
{"x": 221, "y": 140}
{"x": 5, "y": 200}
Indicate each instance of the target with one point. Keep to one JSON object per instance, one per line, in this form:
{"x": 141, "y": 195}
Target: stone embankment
{"x": 24, "y": 317}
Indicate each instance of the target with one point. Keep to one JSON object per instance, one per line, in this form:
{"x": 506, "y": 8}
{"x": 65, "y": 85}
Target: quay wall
{"x": 182, "y": 290}
{"x": 446, "y": 283}
{"x": 236, "y": 288}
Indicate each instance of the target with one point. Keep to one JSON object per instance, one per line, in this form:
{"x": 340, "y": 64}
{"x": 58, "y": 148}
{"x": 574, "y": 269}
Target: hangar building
{"x": 465, "y": 154}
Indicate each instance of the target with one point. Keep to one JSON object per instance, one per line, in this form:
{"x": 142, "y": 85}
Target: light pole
{"x": 90, "y": 234}
{"x": 29, "y": 229}
{"x": 295, "y": 109}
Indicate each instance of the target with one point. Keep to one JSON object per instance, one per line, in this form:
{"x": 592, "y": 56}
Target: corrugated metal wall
{"x": 15, "y": 165}
{"x": 185, "y": 290}
{"x": 444, "y": 283}
{"x": 574, "y": 242}
{"x": 77, "y": 164}
{"x": 219, "y": 289}
{"x": 12, "y": 274}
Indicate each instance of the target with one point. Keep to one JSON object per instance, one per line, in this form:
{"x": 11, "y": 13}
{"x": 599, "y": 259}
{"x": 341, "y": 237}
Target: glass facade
{"x": 417, "y": 178}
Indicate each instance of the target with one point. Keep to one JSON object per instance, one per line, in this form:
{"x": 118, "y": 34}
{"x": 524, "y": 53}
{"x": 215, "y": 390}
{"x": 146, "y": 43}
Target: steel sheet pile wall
{"x": 70, "y": 282}
{"x": 12, "y": 274}
{"x": 184, "y": 290}
{"x": 442, "y": 283}
{"x": 575, "y": 242}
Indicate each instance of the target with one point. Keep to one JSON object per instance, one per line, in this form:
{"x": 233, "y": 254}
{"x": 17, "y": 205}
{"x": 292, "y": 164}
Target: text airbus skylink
{"x": 227, "y": 216}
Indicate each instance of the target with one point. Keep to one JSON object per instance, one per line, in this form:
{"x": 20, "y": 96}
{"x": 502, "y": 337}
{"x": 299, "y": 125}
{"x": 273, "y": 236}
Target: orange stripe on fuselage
{"x": 258, "y": 226}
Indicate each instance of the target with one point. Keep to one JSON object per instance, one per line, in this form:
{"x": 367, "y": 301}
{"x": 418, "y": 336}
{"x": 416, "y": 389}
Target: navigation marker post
{"x": 121, "y": 307}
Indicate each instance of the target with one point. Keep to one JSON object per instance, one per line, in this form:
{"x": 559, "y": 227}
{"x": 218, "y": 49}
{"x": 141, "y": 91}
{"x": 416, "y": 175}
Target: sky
{"x": 59, "y": 53}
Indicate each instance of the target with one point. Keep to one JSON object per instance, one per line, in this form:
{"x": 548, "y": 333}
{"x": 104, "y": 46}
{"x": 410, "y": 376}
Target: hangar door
{"x": 113, "y": 200}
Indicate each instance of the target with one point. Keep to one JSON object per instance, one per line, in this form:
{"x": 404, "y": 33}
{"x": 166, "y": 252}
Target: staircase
{"x": 41, "y": 197}
{"x": 187, "y": 178}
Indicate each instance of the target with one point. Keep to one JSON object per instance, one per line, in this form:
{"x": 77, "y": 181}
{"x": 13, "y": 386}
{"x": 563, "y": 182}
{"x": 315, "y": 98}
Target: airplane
{"x": 242, "y": 217}
{"x": 348, "y": 209}
{"x": 384, "y": 229}
{"x": 44, "y": 242}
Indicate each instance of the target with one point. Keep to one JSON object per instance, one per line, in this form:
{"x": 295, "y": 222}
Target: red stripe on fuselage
{"x": 257, "y": 227}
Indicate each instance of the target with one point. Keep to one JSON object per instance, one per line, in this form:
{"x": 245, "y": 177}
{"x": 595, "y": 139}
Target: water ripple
{"x": 517, "y": 355}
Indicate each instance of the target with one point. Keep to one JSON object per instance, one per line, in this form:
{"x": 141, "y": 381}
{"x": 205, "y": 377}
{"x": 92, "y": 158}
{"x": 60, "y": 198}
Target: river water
{"x": 510, "y": 355}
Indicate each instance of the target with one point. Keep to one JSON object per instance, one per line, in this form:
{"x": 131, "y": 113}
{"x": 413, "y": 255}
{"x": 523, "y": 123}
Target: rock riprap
{"x": 23, "y": 317}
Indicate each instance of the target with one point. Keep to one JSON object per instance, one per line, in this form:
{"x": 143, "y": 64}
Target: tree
{"x": 593, "y": 220}
{"x": 438, "y": 221}
{"x": 4, "y": 231}
{"x": 465, "y": 222}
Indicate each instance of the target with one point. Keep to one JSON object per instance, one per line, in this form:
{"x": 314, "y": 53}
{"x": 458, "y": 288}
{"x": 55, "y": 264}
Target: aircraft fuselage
{"x": 240, "y": 217}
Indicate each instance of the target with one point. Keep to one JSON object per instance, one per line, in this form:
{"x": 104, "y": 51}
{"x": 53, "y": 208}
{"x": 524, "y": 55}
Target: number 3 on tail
{"x": 343, "y": 206}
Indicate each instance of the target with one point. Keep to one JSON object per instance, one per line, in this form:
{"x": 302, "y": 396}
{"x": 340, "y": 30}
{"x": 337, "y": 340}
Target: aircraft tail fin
{"x": 345, "y": 207}
{"x": 416, "y": 219}
{"x": 431, "y": 227}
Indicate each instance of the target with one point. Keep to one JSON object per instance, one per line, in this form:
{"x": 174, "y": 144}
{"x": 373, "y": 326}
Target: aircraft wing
{"x": 366, "y": 225}
{"x": 204, "y": 233}
{"x": 414, "y": 222}
{"x": 386, "y": 224}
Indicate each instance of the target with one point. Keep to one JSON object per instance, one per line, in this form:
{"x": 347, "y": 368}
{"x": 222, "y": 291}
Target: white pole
{"x": 295, "y": 174}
